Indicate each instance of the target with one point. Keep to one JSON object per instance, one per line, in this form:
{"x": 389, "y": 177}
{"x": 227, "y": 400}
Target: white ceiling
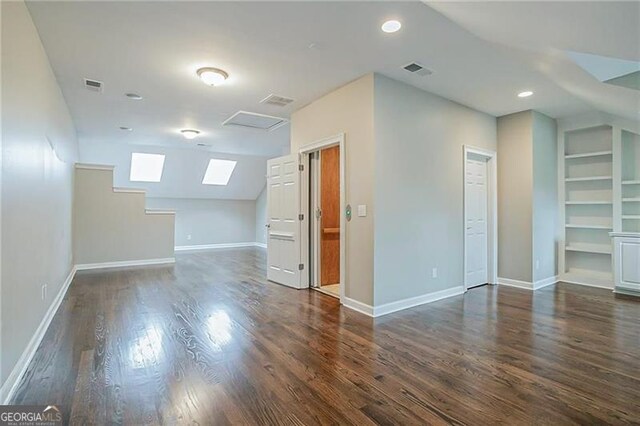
{"x": 482, "y": 54}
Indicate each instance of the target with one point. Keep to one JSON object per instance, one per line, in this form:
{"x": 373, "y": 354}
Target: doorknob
{"x": 268, "y": 225}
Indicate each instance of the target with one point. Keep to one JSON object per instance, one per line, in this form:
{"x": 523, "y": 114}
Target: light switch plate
{"x": 362, "y": 210}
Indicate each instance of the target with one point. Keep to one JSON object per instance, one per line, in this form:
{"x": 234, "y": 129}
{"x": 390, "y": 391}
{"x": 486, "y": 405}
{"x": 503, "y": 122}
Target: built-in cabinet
{"x": 599, "y": 192}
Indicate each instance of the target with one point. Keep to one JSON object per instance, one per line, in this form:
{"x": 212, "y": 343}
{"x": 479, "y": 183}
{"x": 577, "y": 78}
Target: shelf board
{"x": 576, "y": 226}
{"x": 631, "y": 216}
{"x": 587, "y": 202}
{"x": 588, "y": 154}
{"x": 631, "y": 182}
{"x": 589, "y": 248}
{"x": 631, "y": 200}
{"x": 588, "y": 178}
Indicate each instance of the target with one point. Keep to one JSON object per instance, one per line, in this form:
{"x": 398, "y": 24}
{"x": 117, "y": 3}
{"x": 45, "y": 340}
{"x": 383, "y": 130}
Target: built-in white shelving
{"x": 588, "y": 178}
{"x": 588, "y": 203}
{"x": 589, "y": 248}
{"x": 589, "y": 154}
{"x": 578, "y": 226}
{"x": 631, "y": 182}
{"x": 631, "y": 216}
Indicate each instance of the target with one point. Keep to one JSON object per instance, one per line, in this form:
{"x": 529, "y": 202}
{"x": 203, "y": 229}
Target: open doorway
{"x": 325, "y": 219}
{"x": 323, "y": 198}
{"x": 480, "y": 217}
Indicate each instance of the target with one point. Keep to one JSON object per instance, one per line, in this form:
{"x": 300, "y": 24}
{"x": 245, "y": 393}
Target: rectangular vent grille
{"x": 255, "y": 121}
{"x": 418, "y": 69}
{"x": 94, "y": 85}
{"x": 276, "y": 100}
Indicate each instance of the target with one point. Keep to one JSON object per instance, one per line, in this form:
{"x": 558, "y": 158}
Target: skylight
{"x": 146, "y": 167}
{"x": 218, "y": 172}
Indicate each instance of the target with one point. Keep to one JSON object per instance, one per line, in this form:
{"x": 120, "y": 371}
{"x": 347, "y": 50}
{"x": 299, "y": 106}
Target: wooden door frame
{"x": 492, "y": 212}
{"x": 304, "y": 152}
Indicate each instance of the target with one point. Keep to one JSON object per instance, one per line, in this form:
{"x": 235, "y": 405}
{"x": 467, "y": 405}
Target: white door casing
{"x": 476, "y": 217}
{"x": 283, "y": 236}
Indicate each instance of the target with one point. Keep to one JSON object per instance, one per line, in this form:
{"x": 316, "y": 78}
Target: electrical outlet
{"x": 44, "y": 292}
{"x": 434, "y": 273}
{"x": 188, "y": 236}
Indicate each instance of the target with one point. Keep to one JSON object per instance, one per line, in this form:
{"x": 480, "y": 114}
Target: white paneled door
{"x": 476, "y": 212}
{"x": 283, "y": 201}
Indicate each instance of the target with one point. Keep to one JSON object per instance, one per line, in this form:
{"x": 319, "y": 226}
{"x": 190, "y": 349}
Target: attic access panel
{"x": 254, "y": 120}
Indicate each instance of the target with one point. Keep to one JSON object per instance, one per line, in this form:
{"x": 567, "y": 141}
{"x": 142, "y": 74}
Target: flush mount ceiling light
{"x": 146, "y": 167}
{"x": 218, "y": 172}
{"x": 525, "y": 94}
{"x": 190, "y": 133}
{"x": 133, "y": 96}
{"x": 212, "y": 76}
{"x": 128, "y": 129}
{"x": 391, "y": 26}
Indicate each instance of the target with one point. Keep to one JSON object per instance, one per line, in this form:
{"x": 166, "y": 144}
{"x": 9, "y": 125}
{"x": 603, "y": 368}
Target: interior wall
{"x": 515, "y": 199}
{"x": 113, "y": 226}
{"x": 39, "y": 148}
{"x": 348, "y": 110}
{"x": 208, "y": 221}
{"x": 419, "y": 139}
{"x": 545, "y": 197}
{"x": 261, "y": 217}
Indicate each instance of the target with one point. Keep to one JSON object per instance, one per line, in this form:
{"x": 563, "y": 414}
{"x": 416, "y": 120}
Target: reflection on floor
{"x": 332, "y": 289}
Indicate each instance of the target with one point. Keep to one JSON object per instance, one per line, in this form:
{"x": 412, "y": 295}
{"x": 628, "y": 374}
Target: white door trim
{"x": 304, "y": 151}
{"x": 492, "y": 225}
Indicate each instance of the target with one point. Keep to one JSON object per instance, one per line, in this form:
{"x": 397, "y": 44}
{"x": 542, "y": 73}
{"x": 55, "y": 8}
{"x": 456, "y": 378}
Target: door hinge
{"x": 300, "y": 266}
{"x": 300, "y": 216}
{"x": 301, "y": 167}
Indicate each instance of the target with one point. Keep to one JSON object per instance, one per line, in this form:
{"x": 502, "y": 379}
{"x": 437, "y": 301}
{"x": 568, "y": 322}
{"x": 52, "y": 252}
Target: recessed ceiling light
{"x": 190, "y": 133}
{"x": 128, "y": 129}
{"x": 212, "y": 76}
{"x": 525, "y": 94}
{"x": 133, "y": 96}
{"x": 218, "y": 172}
{"x": 391, "y": 26}
{"x": 146, "y": 167}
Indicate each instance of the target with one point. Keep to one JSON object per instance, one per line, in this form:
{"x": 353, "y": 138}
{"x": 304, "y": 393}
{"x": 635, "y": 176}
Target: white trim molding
{"x": 11, "y": 384}
{"x": 219, "y": 246}
{"x": 528, "y": 285}
{"x": 94, "y": 166}
{"x": 354, "y": 305}
{"x": 261, "y": 245}
{"x": 411, "y": 302}
{"x": 125, "y": 263}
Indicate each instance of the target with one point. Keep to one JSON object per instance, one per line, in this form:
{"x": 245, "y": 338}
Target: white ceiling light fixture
{"x": 391, "y": 26}
{"x": 146, "y": 167}
{"x": 218, "y": 172}
{"x": 190, "y": 133}
{"x": 133, "y": 96}
{"x": 128, "y": 129}
{"x": 525, "y": 94}
{"x": 212, "y": 76}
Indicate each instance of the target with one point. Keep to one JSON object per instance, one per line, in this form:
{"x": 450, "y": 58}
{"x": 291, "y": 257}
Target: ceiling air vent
{"x": 276, "y": 100}
{"x": 418, "y": 69}
{"x": 253, "y": 120}
{"x": 94, "y": 85}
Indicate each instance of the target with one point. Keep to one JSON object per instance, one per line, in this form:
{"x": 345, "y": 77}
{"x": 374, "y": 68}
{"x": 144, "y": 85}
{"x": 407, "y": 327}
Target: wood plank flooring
{"x": 209, "y": 341}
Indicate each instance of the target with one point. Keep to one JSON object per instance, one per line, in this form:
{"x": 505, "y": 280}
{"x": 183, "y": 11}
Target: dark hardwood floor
{"x": 208, "y": 341}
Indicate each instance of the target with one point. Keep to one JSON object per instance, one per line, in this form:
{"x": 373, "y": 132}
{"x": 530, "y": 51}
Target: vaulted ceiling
{"x": 482, "y": 55}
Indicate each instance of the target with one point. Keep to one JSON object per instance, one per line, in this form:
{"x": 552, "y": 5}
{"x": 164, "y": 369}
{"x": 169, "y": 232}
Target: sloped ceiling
{"x": 482, "y": 55}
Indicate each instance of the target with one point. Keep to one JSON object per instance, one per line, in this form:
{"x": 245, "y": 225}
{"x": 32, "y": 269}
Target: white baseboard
{"x": 528, "y": 285}
{"x": 388, "y": 308}
{"x": 410, "y": 302}
{"x": 263, "y": 245}
{"x": 545, "y": 282}
{"x": 120, "y": 264}
{"x": 216, "y": 246}
{"x": 353, "y": 304}
{"x": 11, "y": 384}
